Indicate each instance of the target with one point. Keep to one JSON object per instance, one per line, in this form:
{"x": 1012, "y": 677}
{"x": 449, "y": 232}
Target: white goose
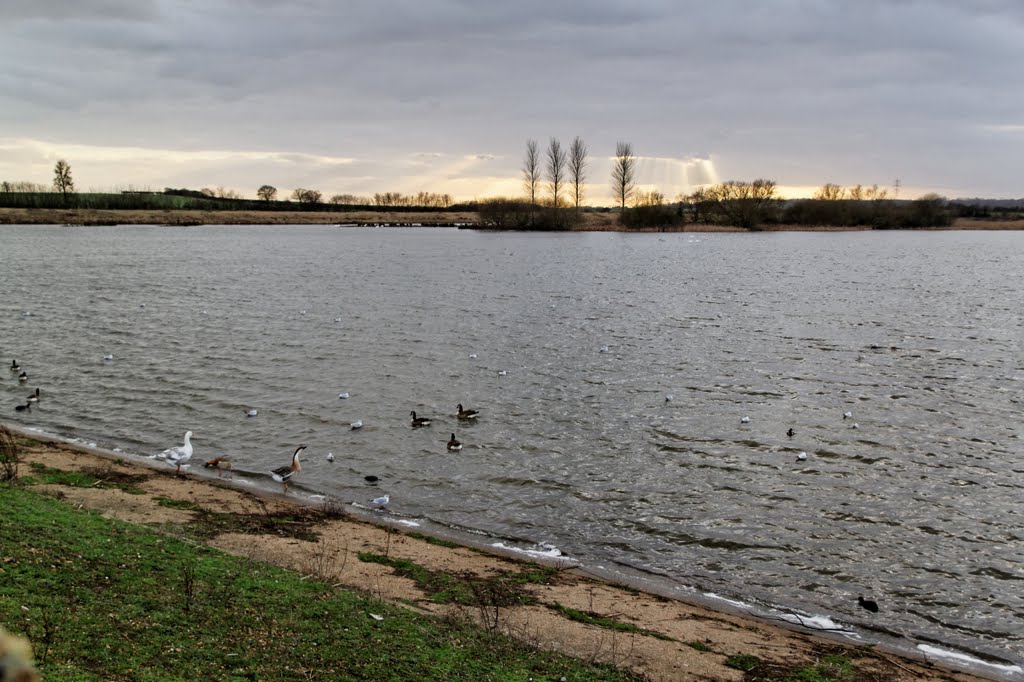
{"x": 179, "y": 454}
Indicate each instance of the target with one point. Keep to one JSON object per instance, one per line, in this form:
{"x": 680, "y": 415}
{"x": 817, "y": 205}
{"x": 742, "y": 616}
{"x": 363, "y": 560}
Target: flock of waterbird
{"x": 180, "y": 455}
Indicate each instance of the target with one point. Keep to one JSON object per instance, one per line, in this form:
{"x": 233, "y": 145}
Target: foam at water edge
{"x": 403, "y": 522}
{"x": 731, "y": 602}
{"x": 818, "y": 623}
{"x": 542, "y": 550}
{"x": 964, "y": 658}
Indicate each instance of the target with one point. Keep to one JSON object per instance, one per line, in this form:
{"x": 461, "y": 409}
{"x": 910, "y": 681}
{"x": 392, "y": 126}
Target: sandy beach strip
{"x": 678, "y": 640}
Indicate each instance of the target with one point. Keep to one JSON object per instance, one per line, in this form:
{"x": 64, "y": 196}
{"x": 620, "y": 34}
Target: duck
{"x": 791, "y": 432}
{"x": 109, "y": 357}
{"x": 15, "y": 367}
{"x": 285, "y": 473}
{"x": 22, "y": 408}
{"x": 218, "y": 463}
{"x": 454, "y": 445}
{"x": 466, "y": 414}
{"x": 381, "y": 502}
{"x": 34, "y": 397}
{"x": 251, "y": 413}
{"x": 869, "y": 604}
{"x": 847, "y": 414}
{"x": 419, "y": 421}
{"x": 178, "y": 455}
{"x": 23, "y": 378}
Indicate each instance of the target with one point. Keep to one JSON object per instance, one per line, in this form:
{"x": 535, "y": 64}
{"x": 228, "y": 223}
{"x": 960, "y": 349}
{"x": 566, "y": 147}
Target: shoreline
{"x": 592, "y": 221}
{"x": 725, "y": 625}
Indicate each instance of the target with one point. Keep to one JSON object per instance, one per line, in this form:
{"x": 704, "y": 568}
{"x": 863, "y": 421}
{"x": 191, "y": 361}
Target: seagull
{"x": 847, "y": 415}
{"x": 381, "y": 502}
{"x": 454, "y": 445}
{"x": 604, "y": 349}
{"x": 744, "y": 420}
{"x": 343, "y": 396}
{"x": 330, "y": 456}
{"x": 22, "y": 408}
{"x": 14, "y": 366}
{"x": 669, "y": 398}
{"x": 34, "y": 398}
{"x": 419, "y": 421}
{"x": 109, "y": 357}
{"x": 251, "y": 413}
{"x": 218, "y": 463}
{"x": 472, "y": 356}
{"x": 357, "y": 424}
{"x": 466, "y": 414}
{"x": 285, "y": 473}
{"x": 23, "y": 378}
{"x": 179, "y": 454}
{"x": 502, "y": 373}
{"x": 801, "y": 457}
{"x": 869, "y": 604}
{"x": 791, "y": 432}
{"x": 855, "y": 426}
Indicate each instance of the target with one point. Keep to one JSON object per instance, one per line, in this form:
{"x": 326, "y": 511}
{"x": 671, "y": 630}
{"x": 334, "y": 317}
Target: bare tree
{"x": 62, "y": 181}
{"x": 743, "y": 204}
{"x": 267, "y": 193}
{"x": 555, "y": 169}
{"x": 830, "y": 192}
{"x": 307, "y": 196}
{"x": 577, "y": 170}
{"x": 531, "y": 170}
{"x": 624, "y": 173}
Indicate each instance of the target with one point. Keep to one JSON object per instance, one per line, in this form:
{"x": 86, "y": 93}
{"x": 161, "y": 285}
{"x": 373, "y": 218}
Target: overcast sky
{"x": 441, "y": 95}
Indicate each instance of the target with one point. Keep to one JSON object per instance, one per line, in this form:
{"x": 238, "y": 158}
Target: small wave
{"x": 541, "y": 550}
{"x": 730, "y": 602}
{"x": 929, "y": 650}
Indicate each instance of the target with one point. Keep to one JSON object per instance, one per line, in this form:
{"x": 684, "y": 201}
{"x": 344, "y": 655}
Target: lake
{"x": 612, "y": 372}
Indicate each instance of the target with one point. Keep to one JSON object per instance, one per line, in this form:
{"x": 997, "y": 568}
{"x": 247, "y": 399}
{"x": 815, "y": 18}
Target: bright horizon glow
{"x": 465, "y": 177}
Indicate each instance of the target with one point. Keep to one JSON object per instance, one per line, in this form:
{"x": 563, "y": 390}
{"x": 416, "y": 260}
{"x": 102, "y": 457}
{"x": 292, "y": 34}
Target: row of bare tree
{"x": 563, "y": 170}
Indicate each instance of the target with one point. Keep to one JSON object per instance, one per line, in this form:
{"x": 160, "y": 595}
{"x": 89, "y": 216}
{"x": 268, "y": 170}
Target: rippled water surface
{"x": 920, "y": 336}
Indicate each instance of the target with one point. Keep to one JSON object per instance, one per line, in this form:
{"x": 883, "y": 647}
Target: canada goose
{"x": 419, "y": 421}
{"x": 466, "y": 414}
{"x": 454, "y": 445}
{"x": 34, "y": 397}
{"x": 23, "y": 378}
{"x": 791, "y": 432}
{"x": 22, "y": 408}
{"x": 15, "y": 367}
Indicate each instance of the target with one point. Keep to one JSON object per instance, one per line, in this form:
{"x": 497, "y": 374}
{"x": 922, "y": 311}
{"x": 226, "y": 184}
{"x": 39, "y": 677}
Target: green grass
{"x": 744, "y": 662}
{"x": 440, "y": 542}
{"x": 699, "y": 646}
{"x": 105, "y": 600}
{"x": 442, "y": 587}
{"x": 604, "y": 621}
{"x": 42, "y": 474}
{"x": 831, "y": 668}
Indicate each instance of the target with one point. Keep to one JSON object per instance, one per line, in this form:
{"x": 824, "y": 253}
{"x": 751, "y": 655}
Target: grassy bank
{"x": 105, "y": 600}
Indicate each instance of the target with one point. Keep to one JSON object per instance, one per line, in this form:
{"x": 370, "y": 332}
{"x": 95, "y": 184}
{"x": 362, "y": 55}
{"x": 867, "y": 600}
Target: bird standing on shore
{"x": 178, "y": 455}
{"x": 284, "y": 474}
{"x": 454, "y": 445}
{"x": 218, "y": 463}
{"x": 381, "y": 502}
{"x": 419, "y": 421}
{"x": 466, "y": 414}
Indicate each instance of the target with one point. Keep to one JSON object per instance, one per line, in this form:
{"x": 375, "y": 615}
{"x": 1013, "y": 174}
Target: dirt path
{"x": 679, "y": 641}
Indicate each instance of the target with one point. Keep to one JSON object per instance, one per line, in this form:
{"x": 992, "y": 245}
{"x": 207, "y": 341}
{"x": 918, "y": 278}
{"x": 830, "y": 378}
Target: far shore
{"x": 592, "y": 221}
{"x": 676, "y": 640}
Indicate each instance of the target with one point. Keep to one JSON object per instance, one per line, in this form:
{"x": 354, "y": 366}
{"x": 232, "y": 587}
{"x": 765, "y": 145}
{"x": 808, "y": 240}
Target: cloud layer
{"x": 441, "y": 95}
